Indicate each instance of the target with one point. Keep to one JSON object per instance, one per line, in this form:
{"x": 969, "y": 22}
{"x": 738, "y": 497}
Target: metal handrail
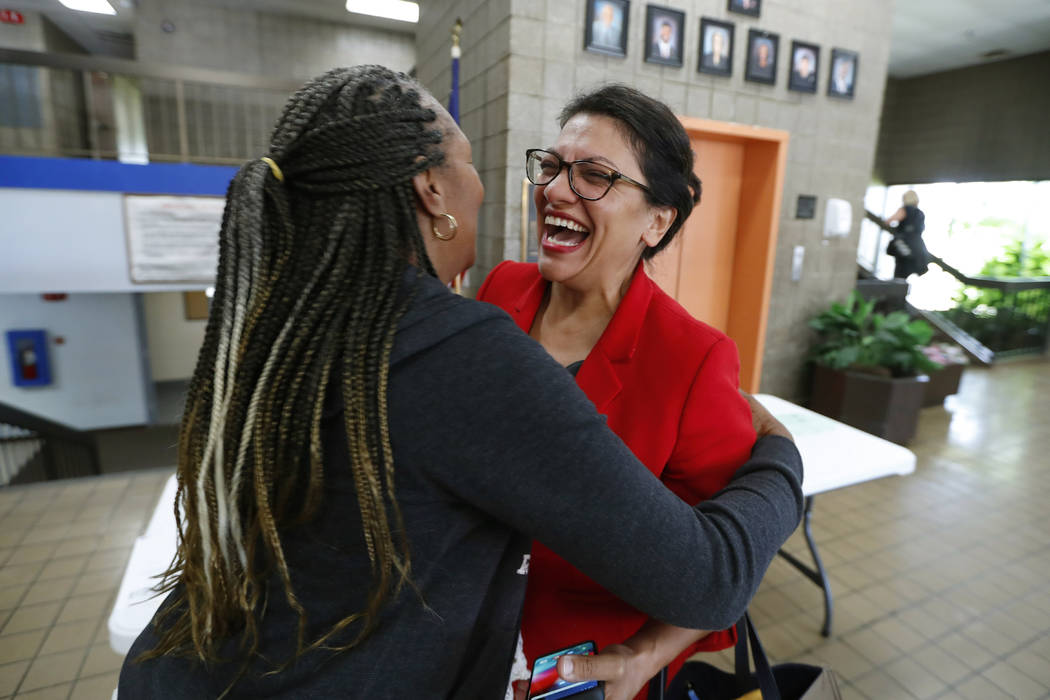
{"x": 1005, "y": 284}
{"x": 44, "y": 427}
{"x": 178, "y": 113}
{"x": 59, "y": 451}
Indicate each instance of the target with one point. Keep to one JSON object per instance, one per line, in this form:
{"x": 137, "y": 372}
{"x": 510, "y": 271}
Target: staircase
{"x": 33, "y": 448}
{"x": 1018, "y": 323}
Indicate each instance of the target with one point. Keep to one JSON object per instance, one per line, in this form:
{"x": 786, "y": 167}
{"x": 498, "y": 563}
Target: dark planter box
{"x": 882, "y": 406}
{"x": 943, "y": 383}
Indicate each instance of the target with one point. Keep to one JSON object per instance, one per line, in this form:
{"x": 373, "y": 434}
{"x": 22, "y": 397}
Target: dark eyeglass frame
{"x": 614, "y": 175}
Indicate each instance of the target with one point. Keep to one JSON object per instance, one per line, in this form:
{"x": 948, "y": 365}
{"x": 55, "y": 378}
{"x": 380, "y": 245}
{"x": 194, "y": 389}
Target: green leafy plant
{"x": 1005, "y": 321}
{"x": 852, "y": 336}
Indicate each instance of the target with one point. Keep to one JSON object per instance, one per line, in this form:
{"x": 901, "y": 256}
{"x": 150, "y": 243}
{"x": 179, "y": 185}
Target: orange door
{"x": 720, "y": 268}
{"x": 697, "y": 269}
{"x": 706, "y": 267}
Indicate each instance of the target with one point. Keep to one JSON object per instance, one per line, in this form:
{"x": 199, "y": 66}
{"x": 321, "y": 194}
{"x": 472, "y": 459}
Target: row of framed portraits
{"x": 606, "y": 33}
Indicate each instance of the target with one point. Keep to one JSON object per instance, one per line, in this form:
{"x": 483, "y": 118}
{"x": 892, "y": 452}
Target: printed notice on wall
{"x": 173, "y": 239}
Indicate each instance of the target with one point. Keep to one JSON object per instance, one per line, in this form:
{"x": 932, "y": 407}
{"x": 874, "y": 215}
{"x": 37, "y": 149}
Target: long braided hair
{"x": 307, "y": 294}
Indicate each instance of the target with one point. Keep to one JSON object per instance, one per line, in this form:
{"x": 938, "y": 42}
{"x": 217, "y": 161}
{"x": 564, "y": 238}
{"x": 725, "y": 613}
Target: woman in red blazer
{"x": 612, "y": 192}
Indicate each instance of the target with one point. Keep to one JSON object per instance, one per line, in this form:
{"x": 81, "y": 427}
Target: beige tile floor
{"x": 63, "y": 548}
{"x": 941, "y": 579}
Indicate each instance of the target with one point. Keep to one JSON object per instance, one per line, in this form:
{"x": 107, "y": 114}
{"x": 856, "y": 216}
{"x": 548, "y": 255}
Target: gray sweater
{"x": 494, "y": 445}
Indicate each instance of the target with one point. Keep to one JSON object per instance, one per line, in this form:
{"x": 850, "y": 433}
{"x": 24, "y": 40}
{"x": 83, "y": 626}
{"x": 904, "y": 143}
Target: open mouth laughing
{"x": 562, "y": 235}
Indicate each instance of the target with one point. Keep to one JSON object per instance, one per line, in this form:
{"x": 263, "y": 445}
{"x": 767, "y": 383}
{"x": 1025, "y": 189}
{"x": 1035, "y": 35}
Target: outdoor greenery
{"x": 852, "y": 336}
{"x": 1007, "y": 320}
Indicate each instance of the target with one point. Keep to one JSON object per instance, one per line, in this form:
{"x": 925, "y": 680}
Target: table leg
{"x": 818, "y": 576}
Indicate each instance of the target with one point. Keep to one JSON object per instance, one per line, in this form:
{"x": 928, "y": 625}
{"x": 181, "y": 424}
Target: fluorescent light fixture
{"x": 97, "y": 6}
{"x": 391, "y": 9}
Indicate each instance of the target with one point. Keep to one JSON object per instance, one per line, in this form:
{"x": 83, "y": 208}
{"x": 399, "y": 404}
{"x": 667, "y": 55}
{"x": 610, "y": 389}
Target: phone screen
{"x": 548, "y": 685}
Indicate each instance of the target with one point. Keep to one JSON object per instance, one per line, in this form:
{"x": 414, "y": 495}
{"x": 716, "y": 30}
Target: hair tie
{"x": 273, "y": 168}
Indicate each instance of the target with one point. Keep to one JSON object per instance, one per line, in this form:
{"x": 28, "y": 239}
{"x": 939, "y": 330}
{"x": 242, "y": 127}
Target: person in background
{"x": 612, "y": 192}
{"x": 607, "y": 26}
{"x": 842, "y": 76}
{"x": 907, "y": 246}
{"x": 664, "y": 41}
{"x": 717, "y": 53}
{"x": 365, "y": 456}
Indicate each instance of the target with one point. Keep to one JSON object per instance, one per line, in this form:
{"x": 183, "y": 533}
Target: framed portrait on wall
{"x": 762, "y": 49}
{"x": 664, "y": 35}
{"x": 716, "y": 47}
{"x": 842, "y": 78}
{"x": 606, "y": 27}
{"x": 805, "y": 66}
{"x": 746, "y": 7}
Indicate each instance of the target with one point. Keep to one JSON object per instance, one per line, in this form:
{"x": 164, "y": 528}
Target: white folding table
{"x": 151, "y": 554}
{"x": 834, "y": 455}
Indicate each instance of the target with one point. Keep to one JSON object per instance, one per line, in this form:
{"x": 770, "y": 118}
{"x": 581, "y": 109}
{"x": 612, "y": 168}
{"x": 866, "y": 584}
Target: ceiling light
{"x": 391, "y": 9}
{"x": 97, "y": 6}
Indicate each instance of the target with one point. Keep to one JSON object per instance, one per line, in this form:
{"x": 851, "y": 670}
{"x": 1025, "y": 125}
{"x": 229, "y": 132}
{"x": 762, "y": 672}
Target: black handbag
{"x": 898, "y": 248}
{"x": 780, "y": 682}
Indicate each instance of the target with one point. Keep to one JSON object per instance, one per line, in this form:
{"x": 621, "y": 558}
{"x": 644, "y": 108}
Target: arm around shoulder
{"x": 533, "y": 453}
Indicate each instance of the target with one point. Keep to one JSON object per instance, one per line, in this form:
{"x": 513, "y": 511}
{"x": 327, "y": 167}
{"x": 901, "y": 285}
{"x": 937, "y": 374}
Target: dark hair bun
{"x": 659, "y": 142}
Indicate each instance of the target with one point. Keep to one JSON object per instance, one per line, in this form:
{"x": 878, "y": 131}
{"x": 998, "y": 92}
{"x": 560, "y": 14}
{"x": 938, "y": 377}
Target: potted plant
{"x": 944, "y": 381}
{"x": 870, "y": 368}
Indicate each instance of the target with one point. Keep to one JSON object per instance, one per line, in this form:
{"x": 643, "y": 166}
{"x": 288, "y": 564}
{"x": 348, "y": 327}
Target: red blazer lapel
{"x": 523, "y": 309}
{"x": 600, "y": 377}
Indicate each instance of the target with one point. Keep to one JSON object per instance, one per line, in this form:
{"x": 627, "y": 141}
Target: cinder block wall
{"x": 524, "y": 58}
{"x": 485, "y": 95}
{"x": 983, "y": 123}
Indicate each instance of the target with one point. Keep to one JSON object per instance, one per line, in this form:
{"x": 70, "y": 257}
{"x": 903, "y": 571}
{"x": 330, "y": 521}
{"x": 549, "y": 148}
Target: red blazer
{"x": 668, "y": 386}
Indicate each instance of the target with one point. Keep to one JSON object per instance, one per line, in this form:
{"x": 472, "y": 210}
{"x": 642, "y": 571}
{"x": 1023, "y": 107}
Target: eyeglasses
{"x": 589, "y": 180}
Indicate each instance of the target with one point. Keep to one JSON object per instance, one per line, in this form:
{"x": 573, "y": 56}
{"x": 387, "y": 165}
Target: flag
{"x": 453, "y": 98}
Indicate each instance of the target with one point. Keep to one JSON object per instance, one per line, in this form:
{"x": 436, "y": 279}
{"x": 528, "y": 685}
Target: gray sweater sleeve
{"x": 511, "y": 433}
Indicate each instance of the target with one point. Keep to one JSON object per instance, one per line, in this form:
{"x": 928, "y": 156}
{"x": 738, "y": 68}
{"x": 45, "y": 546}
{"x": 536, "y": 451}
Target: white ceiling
{"x": 930, "y": 36}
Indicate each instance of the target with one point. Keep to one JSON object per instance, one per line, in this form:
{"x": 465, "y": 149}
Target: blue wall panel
{"x": 113, "y": 176}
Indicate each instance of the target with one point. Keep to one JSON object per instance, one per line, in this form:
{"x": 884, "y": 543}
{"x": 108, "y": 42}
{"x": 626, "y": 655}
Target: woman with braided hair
{"x": 365, "y": 457}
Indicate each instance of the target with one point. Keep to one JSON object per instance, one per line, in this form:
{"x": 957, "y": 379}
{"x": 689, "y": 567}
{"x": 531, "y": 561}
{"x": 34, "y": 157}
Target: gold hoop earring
{"x": 452, "y": 226}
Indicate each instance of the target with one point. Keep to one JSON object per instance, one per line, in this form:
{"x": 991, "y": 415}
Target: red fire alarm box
{"x": 29, "y": 361}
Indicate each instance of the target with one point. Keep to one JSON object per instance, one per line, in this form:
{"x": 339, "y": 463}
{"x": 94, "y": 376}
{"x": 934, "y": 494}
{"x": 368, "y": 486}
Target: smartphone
{"x": 546, "y": 683}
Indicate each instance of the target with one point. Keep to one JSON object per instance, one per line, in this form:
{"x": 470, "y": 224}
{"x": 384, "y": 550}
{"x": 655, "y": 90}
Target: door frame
{"x": 755, "y": 247}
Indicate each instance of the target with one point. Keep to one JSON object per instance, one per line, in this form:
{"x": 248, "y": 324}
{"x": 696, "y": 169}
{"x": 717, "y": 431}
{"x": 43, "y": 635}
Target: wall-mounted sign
{"x": 172, "y": 239}
{"x": 11, "y": 17}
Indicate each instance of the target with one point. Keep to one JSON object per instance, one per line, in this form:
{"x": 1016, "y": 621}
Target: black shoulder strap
{"x": 745, "y": 631}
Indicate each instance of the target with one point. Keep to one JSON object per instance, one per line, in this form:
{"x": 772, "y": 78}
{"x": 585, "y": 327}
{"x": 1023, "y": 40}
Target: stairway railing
{"x": 1017, "y": 323}
{"x": 33, "y": 448}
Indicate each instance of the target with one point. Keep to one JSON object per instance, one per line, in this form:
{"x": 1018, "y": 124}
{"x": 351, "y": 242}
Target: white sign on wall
{"x": 172, "y": 239}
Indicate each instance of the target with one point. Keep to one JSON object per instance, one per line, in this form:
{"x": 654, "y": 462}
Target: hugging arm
{"x": 531, "y": 451}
